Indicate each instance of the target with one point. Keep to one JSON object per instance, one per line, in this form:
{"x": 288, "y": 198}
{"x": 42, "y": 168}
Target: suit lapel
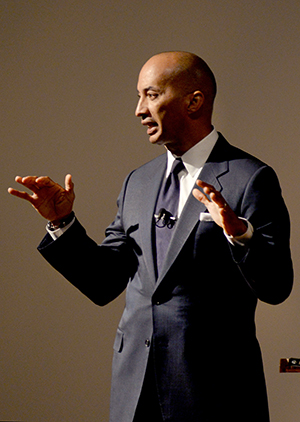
{"x": 210, "y": 173}
{"x": 149, "y": 192}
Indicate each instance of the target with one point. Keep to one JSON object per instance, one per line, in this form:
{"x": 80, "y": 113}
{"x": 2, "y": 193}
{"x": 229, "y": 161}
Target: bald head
{"x": 187, "y": 72}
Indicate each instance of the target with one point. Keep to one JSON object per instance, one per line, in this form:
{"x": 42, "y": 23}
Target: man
{"x": 185, "y": 348}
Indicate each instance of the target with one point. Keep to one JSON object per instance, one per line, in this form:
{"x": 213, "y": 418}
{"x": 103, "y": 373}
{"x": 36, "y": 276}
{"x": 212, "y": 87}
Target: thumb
{"x": 69, "y": 185}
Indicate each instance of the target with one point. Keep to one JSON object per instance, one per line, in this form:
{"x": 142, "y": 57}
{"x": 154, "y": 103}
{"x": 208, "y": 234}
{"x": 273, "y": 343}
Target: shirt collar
{"x": 195, "y": 158}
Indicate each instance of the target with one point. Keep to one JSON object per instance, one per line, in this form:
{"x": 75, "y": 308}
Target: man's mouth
{"x": 151, "y": 129}
{"x": 152, "y": 126}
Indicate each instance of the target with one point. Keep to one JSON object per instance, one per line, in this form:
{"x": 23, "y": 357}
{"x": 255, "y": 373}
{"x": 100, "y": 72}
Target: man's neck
{"x": 190, "y": 141}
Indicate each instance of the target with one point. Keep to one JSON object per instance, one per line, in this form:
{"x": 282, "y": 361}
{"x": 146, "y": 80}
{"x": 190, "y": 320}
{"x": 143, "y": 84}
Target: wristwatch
{"x": 62, "y": 223}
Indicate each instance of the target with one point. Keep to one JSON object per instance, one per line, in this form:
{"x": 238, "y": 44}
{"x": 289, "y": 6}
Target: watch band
{"x": 62, "y": 223}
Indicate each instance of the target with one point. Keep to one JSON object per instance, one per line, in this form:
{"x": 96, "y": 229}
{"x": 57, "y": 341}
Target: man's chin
{"x": 155, "y": 139}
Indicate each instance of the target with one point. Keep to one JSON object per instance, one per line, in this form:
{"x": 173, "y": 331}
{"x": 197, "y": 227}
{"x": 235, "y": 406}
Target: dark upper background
{"x": 68, "y": 94}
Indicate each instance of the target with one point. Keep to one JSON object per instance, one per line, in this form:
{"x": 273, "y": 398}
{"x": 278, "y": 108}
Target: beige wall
{"x": 68, "y": 93}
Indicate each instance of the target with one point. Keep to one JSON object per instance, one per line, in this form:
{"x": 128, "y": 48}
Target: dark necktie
{"x": 166, "y": 212}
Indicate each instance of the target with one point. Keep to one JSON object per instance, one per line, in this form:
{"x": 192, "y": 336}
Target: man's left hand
{"x": 220, "y": 211}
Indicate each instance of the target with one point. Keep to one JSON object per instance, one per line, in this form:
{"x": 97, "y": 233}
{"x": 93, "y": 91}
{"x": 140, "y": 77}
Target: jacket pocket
{"x": 119, "y": 341}
{"x": 205, "y": 216}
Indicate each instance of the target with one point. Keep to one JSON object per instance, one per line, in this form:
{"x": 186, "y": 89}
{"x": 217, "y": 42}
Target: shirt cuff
{"x": 55, "y": 234}
{"x": 244, "y": 238}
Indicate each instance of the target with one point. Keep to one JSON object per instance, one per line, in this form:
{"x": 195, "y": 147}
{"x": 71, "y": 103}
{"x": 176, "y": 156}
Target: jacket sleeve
{"x": 267, "y": 265}
{"x": 101, "y": 272}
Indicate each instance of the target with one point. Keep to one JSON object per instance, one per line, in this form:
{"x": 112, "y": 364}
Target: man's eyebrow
{"x": 149, "y": 88}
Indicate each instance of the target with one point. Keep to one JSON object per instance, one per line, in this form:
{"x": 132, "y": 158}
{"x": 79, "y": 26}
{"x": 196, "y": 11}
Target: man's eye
{"x": 152, "y": 96}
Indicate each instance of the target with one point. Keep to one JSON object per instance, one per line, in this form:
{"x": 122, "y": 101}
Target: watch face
{"x": 64, "y": 222}
{"x": 51, "y": 227}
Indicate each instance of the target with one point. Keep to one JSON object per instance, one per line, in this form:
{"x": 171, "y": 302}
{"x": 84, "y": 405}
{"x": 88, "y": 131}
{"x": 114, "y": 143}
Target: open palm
{"x": 50, "y": 199}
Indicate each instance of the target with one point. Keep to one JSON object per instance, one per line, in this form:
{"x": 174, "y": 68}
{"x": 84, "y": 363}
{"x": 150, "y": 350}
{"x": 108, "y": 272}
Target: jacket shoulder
{"x": 151, "y": 166}
{"x": 225, "y": 151}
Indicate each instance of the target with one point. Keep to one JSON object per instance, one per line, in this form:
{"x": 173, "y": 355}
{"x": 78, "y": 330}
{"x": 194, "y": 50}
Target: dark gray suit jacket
{"x": 198, "y": 316}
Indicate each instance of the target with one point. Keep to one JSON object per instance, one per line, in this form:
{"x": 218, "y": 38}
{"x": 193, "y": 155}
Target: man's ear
{"x": 195, "y": 101}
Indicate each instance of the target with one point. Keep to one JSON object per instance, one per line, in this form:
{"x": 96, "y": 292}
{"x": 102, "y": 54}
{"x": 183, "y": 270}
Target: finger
{"x": 205, "y": 193}
{"x": 18, "y": 179}
{"x": 207, "y": 188}
{"x": 19, "y": 194}
{"x": 201, "y": 197}
{"x": 218, "y": 199}
{"x": 203, "y": 185}
{"x": 213, "y": 194}
{"x": 27, "y": 180}
{"x": 210, "y": 190}
{"x": 69, "y": 185}
{"x": 30, "y": 182}
{"x": 45, "y": 181}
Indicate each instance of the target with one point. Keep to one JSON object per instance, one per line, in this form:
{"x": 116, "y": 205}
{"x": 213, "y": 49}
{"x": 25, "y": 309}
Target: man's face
{"x": 161, "y": 105}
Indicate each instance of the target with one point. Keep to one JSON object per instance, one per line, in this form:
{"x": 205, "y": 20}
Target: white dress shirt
{"x": 193, "y": 160}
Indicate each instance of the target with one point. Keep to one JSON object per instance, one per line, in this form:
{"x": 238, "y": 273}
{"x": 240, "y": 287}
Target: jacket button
{"x": 147, "y": 343}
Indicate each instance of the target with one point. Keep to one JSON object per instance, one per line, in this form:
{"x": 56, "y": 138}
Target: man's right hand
{"x": 50, "y": 200}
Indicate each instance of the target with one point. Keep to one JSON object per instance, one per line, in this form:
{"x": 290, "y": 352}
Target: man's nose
{"x": 141, "y": 108}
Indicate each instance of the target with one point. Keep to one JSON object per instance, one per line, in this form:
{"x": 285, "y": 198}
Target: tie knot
{"x": 177, "y": 166}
